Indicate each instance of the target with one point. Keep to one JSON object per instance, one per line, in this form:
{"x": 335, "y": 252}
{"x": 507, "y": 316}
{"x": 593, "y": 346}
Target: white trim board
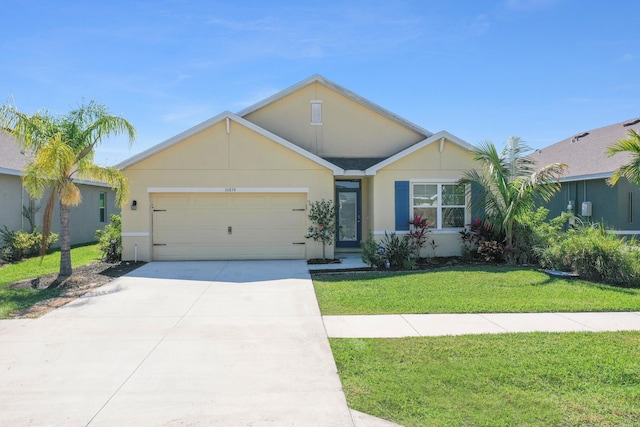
{"x": 433, "y": 231}
{"x": 435, "y": 138}
{"x": 317, "y": 78}
{"x": 239, "y": 120}
{"x": 624, "y": 232}
{"x": 229, "y": 190}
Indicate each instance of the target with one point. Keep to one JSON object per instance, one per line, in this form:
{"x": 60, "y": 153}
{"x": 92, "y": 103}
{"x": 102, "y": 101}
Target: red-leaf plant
{"x": 418, "y": 233}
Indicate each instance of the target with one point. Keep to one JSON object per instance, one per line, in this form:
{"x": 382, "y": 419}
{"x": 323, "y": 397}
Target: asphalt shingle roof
{"x": 585, "y": 152}
{"x": 10, "y": 155}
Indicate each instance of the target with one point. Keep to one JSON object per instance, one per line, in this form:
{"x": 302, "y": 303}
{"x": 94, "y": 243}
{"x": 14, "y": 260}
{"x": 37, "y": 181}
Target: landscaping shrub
{"x": 418, "y": 234}
{"x": 477, "y": 234}
{"x": 373, "y": 254}
{"x": 491, "y": 251}
{"x": 19, "y": 244}
{"x": 533, "y": 234}
{"x": 595, "y": 255}
{"x": 110, "y": 239}
{"x": 397, "y": 251}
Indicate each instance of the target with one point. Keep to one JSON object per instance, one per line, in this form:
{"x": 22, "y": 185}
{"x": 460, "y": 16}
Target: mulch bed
{"x": 83, "y": 280}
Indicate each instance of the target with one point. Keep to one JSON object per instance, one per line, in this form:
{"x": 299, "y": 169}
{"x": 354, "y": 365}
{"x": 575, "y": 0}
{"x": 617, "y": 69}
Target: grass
{"x": 17, "y": 299}
{"x": 569, "y": 379}
{"x": 470, "y": 289}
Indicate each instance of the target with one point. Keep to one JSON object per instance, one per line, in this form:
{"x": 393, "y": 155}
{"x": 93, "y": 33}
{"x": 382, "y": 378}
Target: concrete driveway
{"x": 189, "y": 343}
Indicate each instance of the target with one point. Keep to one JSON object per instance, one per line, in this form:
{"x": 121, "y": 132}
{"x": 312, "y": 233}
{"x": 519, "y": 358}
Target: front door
{"x": 348, "y": 207}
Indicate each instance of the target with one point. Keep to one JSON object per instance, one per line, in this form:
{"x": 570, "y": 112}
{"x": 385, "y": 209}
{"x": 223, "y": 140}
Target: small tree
{"x": 322, "y": 214}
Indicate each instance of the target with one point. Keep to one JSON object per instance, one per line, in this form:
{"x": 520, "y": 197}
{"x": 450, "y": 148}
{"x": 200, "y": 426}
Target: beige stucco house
{"x": 98, "y": 200}
{"x": 237, "y": 186}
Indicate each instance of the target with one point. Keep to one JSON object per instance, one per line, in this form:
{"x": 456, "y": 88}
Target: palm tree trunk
{"x": 65, "y": 241}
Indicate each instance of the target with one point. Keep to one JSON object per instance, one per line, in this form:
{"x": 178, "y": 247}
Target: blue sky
{"x": 483, "y": 70}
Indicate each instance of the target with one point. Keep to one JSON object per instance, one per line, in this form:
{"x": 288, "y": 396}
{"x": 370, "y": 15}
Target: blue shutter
{"x": 402, "y": 205}
{"x": 477, "y": 201}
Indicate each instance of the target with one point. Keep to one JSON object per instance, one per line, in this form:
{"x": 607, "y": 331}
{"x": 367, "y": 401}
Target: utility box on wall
{"x": 586, "y": 209}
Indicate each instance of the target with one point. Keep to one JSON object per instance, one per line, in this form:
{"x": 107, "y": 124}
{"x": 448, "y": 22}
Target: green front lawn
{"x": 569, "y": 379}
{"x": 12, "y": 299}
{"x": 469, "y": 289}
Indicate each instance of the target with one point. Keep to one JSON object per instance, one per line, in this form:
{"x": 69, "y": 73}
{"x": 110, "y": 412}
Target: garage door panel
{"x": 223, "y": 226}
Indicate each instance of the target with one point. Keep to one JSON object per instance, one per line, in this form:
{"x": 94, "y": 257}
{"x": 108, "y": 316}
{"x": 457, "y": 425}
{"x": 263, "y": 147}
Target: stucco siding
{"x": 348, "y": 128}
{"x": 212, "y": 160}
{"x": 85, "y": 218}
{"x": 428, "y": 163}
{"x": 12, "y": 198}
{"x": 610, "y": 205}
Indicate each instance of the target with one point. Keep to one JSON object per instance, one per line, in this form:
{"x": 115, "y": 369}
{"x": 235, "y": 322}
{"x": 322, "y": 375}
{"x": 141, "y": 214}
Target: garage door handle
{"x": 299, "y": 243}
{"x": 159, "y": 244}
{"x": 299, "y": 210}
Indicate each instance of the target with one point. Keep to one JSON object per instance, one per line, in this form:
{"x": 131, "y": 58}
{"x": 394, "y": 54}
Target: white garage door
{"x": 206, "y": 226}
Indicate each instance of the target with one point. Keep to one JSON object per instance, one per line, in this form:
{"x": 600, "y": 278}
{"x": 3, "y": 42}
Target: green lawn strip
{"x": 16, "y": 299}
{"x": 569, "y": 379}
{"x": 472, "y": 289}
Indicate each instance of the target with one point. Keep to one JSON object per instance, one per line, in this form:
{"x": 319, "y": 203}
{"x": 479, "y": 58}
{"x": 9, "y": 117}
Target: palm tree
{"x": 63, "y": 151}
{"x": 630, "y": 171}
{"x": 511, "y": 183}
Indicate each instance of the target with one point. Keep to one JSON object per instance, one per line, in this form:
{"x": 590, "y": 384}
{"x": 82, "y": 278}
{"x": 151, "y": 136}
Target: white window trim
{"x": 102, "y": 197}
{"x": 440, "y": 183}
{"x": 227, "y": 189}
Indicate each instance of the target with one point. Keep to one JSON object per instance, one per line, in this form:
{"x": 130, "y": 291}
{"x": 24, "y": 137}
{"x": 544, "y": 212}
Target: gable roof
{"x": 585, "y": 153}
{"x": 317, "y": 78}
{"x": 436, "y": 137}
{"x": 12, "y": 159}
{"x": 214, "y": 121}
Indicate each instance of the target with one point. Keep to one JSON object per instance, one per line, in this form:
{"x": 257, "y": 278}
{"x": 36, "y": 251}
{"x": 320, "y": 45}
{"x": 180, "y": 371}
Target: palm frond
{"x": 109, "y": 175}
{"x": 31, "y": 131}
{"x": 631, "y": 170}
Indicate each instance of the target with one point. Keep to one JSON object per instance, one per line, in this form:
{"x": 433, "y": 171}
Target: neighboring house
{"x": 585, "y": 191}
{"x": 91, "y": 215}
{"x": 237, "y": 186}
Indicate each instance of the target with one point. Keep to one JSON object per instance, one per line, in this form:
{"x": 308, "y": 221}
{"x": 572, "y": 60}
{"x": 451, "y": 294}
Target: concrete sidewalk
{"x": 190, "y": 343}
{"x": 415, "y": 325}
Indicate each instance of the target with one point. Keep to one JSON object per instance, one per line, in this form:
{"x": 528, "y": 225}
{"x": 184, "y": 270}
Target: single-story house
{"x": 98, "y": 200}
{"x": 237, "y": 186}
{"x": 585, "y": 191}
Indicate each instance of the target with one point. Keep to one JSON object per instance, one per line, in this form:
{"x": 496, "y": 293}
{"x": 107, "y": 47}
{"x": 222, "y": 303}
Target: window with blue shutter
{"x": 402, "y": 205}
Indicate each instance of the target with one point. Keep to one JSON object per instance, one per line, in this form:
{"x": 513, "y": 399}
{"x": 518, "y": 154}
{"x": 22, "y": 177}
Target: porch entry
{"x": 348, "y": 214}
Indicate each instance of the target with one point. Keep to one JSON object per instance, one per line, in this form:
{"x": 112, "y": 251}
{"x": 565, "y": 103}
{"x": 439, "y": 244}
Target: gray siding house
{"x": 91, "y": 215}
{"x": 585, "y": 191}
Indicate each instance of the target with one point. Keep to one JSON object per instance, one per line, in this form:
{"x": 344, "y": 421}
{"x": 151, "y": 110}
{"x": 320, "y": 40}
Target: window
{"x": 316, "y": 113}
{"x": 443, "y": 205}
{"x": 103, "y": 206}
